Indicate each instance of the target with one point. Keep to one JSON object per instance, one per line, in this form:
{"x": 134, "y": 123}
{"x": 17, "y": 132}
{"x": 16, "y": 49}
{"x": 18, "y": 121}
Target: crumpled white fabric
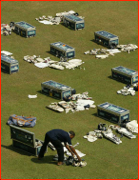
{"x": 83, "y": 102}
{"x": 32, "y": 96}
{"x": 41, "y": 65}
{"x": 6, "y": 53}
{"x": 78, "y": 152}
{"x": 113, "y": 50}
{"x": 132, "y": 126}
{"x": 45, "y": 22}
{"x": 56, "y": 66}
{"x": 91, "y": 137}
{"x": 71, "y": 64}
{"x": 80, "y": 108}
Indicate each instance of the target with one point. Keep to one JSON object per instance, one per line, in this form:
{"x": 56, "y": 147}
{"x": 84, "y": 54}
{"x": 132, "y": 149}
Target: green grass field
{"x": 105, "y": 160}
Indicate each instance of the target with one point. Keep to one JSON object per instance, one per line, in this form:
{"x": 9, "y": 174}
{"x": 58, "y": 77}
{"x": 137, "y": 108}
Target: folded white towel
{"x": 32, "y": 96}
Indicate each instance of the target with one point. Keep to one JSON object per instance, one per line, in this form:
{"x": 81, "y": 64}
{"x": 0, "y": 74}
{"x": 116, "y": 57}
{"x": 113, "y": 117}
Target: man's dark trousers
{"x": 57, "y": 144}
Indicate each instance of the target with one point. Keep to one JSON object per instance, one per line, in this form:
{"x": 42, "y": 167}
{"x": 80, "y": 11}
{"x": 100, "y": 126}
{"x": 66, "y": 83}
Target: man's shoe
{"x": 60, "y": 163}
{"x": 40, "y": 158}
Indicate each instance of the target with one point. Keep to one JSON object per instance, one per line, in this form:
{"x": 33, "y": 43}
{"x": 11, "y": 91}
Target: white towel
{"x": 32, "y": 96}
{"x": 45, "y": 22}
{"x": 41, "y": 65}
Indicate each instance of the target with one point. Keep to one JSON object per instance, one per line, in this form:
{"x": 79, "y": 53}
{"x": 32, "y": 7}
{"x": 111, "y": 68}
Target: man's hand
{"x": 79, "y": 159}
{"x": 73, "y": 152}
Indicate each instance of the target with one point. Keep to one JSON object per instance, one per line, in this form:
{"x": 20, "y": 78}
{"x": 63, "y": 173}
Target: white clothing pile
{"x": 127, "y": 91}
{"x": 41, "y": 65}
{"x": 132, "y": 126}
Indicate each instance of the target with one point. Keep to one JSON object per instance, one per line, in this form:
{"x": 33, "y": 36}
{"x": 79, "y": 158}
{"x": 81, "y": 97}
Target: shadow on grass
{"x": 52, "y": 54}
{"x": 110, "y": 77}
{"x": 43, "y": 93}
{"x": 17, "y": 34}
{"x": 97, "y": 43}
{"x": 95, "y": 114}
{"x": 93, "y": 40}
{"x": 122, "y": 82}
{"x": 39, "y": 91}
{"x": 2, "y": 71}
{"x": 20, "y": 151}
{"x": 49, "y": 52}
{"x": 67, "y": 27}
{"x": 46, "y": 160}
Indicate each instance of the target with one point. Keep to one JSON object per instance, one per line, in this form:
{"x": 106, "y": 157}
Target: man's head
{"x": 72, "y": 134}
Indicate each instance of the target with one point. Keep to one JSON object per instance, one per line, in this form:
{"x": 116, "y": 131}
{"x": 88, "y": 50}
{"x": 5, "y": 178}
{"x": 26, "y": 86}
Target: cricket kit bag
{"x": 21, "y": 121}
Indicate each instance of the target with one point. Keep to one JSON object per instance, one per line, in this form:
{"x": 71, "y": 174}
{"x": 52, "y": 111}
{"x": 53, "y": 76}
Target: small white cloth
{"x": 80, "y": 108}
{"x": 6, "y": 53}
{"x": 132, "y": 126}
{"x": 55, "y": 66}
{"x": 113, "y": 51}
{"x": 45, "y": 22}
{"x": 90, "y": 138}
{"x": 85, "y": 102}
{"x": 75, "y": 61}
{"x": 40, "y": 59}
{"x": 71, "y": 64}
{"x": 78, "y": 152}
{"x": 32, "y": 96}
{"x": 41, "y": 65}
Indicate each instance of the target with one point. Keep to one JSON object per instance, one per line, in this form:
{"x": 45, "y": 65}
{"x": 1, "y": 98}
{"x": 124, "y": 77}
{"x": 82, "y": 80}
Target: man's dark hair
{"x": 72, "y": 133}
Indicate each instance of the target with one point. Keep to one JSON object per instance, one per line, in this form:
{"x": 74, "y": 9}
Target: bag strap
{"x": 24, "y": 121}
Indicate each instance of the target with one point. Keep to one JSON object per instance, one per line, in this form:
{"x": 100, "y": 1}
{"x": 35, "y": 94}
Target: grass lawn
{"x": 105, "y": 160}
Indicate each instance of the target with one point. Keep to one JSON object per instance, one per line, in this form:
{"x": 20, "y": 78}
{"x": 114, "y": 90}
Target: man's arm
{"x": 73, "y": 152}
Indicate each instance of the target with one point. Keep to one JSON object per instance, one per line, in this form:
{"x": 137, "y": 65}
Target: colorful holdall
{"x": 21, "y": 121}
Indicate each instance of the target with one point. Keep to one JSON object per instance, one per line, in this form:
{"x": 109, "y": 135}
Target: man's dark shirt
{"x": 61, "y": 135}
